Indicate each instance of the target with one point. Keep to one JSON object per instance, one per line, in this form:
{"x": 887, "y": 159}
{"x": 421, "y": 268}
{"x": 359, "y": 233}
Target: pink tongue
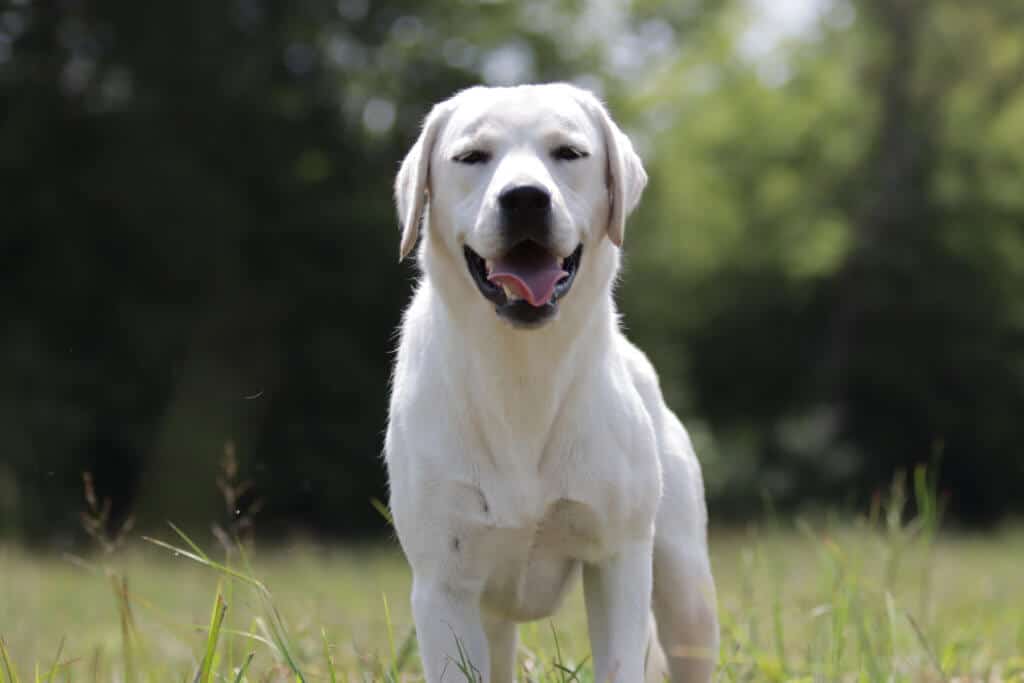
{"x": 531, "y": 270}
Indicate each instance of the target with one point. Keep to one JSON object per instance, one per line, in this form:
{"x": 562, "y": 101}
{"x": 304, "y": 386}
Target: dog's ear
{"x": 625, "y": 173}
{"x": 412, "y": 185}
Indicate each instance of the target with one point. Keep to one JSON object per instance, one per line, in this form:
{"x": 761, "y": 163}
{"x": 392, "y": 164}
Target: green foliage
{"x": 830, "y": 253}
{"x": 198, "y": 243}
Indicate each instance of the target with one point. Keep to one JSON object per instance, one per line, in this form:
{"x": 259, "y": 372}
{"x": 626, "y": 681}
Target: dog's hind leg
{"x": 503, "y": 639}
{"x": 684, "y": 608}
{"x": 684, "y": 589}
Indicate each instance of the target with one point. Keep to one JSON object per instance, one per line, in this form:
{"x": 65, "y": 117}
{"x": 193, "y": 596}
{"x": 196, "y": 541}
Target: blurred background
{"x": 198, "y": 245}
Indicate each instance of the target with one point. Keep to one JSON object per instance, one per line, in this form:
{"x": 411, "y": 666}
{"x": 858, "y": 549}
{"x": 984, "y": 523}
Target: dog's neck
{"x": 510, "y": 383}
{"x": 539, "y": 359}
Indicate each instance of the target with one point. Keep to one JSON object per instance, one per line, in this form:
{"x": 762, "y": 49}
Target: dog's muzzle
{"x": 525, "y": 283}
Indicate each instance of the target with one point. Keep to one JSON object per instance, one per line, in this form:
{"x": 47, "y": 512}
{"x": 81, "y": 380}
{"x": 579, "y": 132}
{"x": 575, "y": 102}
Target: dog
{"x": 528, "y": 441}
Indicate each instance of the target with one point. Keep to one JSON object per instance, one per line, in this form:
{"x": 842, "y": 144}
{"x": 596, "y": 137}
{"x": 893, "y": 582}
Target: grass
{"x": 872, "y": 599}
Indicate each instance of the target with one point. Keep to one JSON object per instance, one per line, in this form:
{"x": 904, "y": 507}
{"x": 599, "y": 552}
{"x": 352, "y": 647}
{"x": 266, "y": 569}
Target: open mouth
{"x": 526, "y": 282}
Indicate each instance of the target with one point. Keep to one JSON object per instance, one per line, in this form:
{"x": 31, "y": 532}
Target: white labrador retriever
{"x": 528, "y": 439}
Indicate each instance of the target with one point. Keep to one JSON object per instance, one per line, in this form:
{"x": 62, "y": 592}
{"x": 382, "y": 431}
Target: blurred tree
{"x": 198, "y": 244}
{"x": 836, "y": 220}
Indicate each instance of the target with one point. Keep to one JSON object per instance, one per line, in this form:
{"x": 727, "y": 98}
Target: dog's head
{"x": 520, "y": 184}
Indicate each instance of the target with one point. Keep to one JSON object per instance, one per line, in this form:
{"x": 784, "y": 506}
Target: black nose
{"x": 525, "y": 200}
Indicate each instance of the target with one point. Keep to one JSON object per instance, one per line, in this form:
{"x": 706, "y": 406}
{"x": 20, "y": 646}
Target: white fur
{"x": 519, "y": 459}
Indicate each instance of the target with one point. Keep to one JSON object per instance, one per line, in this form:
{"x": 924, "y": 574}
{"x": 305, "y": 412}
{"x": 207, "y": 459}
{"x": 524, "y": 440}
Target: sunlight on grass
{"x": 875, "y": 599}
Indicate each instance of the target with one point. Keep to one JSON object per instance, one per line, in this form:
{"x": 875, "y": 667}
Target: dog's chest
{"x": 532, "y": 558}
{"x": 537, "y": 530}
{"x": 560, "y": 527}
{"x": 569, "y": 500}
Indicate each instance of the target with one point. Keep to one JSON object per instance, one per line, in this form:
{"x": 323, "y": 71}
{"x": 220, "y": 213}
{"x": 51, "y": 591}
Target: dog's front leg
{"x": 618, "y": 597}
{"x": 450, "y": 630}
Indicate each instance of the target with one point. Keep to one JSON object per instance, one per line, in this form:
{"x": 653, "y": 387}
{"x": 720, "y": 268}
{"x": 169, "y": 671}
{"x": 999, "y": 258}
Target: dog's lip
{"x": 480, "y": 270}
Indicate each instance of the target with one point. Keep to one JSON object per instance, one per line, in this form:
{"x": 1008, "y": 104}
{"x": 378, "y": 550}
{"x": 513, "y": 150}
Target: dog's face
{"x": 521, "y": 183}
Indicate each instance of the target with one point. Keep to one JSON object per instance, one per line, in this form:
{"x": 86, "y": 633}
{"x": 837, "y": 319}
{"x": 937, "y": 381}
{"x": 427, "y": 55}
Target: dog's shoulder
{"x": 641, "y": 370}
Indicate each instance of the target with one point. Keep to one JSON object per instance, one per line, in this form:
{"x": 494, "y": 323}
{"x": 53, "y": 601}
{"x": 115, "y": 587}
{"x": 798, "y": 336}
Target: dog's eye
{"x": 473, "y": 156}
{"x": 568, "y": 153}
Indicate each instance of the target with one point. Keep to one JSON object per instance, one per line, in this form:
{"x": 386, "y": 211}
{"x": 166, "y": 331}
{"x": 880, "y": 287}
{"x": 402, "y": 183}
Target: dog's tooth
{"x": 510, "y": 293}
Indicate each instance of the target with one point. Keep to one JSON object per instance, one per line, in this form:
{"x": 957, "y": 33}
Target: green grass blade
{"x": 405, "y": 651}
{"x": 464, "y": 664}
{"x": 241, "y": 634}
{"x": 891, "y": 620}
{"x": 129, "y": 636}
{"x": 328, "y": 657}
{"x": 383, "y": 671}
{"x": 559, "y": 666}
{"x": 384, "y": 511}
{"x": 205, "y": 561}
{"x": 926, "y": 646}
{"x": 272, "y": 633}
{"x": 206, "y": 670}
{"x": 867, "y": 649}
{"x": 10, "y": 673}
{"x": 245, "y": 667}
{"x": 195, "y": 548}
{"x": 279, "y": 636}
{"x": 229, "y": 589}
{"x": 391, "y": 635}
{"x": 55, "y": 667}
{"x": 277, "y": 628}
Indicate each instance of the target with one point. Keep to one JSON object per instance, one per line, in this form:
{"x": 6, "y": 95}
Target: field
{"x": 860, "y": 600}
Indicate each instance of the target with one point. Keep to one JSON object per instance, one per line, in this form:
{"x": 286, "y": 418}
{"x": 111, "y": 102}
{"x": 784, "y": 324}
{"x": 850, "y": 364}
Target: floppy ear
{"x": 625, "y": 173}
{"x": 412, "y": 185}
